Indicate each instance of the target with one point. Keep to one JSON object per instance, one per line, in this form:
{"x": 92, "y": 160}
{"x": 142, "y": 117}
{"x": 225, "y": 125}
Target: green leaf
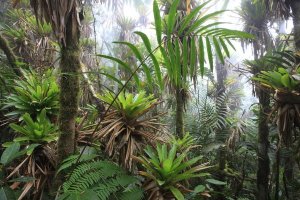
{"x": 147, "y": 44}
{"x": 230, "y": 43}
{"x": 286, "y": 81}
{"x": 173, "y": 71}
{"x": 30, "y": 148}
{"x": 124, "y": 65}
{"x": 193, "y": 58}
{"x": 198, "y": 23}
{"x": 88, "y": 195}
{"x": 167, "y": 166}
{"x": 185, "y": 59}
{"x": 113, "y": 78}
{"x": 225, "y": 47}
{"x": 209, "y": 54}
{"x": 7, "y": 194}
{"x": 282, "y": 70}
{"x": 218, "y": 50}
{"x": 177, "y": 194}
{"x": 23, "y": 179}
{"x": 140, "y": 58}
{"x": 145, "y": 40}
{"x": 172, "y": 153}
{"x": 199, "y": 189}
{"x": 68, "y": 162}
{"x": 157, "y": 21}
{"x": 205, "y": 28}
{"x": 201, "y": 55}
{"x": 172, "y": 16}
{"x": 7, "y": 144}
{"x": 21, "y": 139}
{"x": 188, "y": 19}
{"x": 215, "y": 182}
{"x": 178, "y": 63}
{"x": 160, "y": 182}
{"x": 10, "y": 153}
{"x": 27, "y": 118}
{"x": 133, "y": 48}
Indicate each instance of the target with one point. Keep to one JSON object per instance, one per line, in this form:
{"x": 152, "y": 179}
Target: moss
{"x": 69, "y": 83}
{"x": 12, "y": 60}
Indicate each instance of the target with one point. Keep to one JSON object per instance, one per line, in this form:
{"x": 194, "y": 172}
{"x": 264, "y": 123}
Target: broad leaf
{"x": 177, "y": 194}
{"x": 199, "y": 189}
{"x": 10, "y": 153}
{"x": 215, "y": 182}
{"x": 157, "y": 21}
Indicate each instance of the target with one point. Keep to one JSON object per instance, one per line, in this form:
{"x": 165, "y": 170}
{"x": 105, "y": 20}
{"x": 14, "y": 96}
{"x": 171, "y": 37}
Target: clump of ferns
{"x": 126, "y": 129}
{"x": 91, "y": 178}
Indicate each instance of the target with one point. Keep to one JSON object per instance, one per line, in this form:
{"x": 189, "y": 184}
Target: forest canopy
{"x": 150, "y": 99}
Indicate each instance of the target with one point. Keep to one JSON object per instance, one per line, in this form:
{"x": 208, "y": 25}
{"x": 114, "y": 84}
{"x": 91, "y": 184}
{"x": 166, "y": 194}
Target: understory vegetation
{"x": 150, "y": 99}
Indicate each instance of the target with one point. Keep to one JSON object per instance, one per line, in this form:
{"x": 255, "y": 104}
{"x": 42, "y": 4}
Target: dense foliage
{"x": 163, "y": 113}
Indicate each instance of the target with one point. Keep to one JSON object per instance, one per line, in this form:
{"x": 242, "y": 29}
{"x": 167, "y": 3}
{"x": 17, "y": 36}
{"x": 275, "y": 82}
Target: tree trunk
{"x": 263, "y": 146}
{"x": 277, "y": 171}
{"x": 179, "y": 112}
{"x": 221, "y": 133}
{"x": 296, "y": 19}
{"x": 69, "y": 83}
{"x": 263, "y": 168}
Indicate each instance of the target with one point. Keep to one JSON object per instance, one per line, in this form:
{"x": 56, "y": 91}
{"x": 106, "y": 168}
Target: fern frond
{"x": 102, "y": 179}
{"x": 89, "y": 174}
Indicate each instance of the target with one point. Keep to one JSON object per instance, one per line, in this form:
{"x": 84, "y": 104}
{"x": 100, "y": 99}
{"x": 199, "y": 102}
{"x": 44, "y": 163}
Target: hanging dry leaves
{"x": 55, "y": 12}
{"x": 288, "y": 115}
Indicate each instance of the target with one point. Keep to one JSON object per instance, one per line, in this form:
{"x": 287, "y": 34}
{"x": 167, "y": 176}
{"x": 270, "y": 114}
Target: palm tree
{"x": 255, "y": 20}
{"x": 180, "y": 90}
{"x": 189, "y": 41}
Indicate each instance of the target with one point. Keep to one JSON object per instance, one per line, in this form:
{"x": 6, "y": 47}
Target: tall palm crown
{"x": 284, "y": 9}
{"x": 255, "y": 19}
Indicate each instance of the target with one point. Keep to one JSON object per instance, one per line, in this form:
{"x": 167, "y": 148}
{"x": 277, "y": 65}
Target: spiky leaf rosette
{"x": 166, "y": 169}
{"x": 32, "y": 169}
{"x": 126, "y": 129}
{"x": 33, "y": 94}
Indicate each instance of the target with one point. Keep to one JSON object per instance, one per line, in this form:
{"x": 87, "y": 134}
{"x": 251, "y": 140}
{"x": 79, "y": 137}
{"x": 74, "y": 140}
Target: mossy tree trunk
{"x": 222, "y": 132}
{"x": 69, "y": 83}
{"x": 263, "y": 146}
{"x": 263, "y": 166}
{"x": 179, "y": 90}
{"x": 289, "y": 161}
{"x": 11, "y": 57}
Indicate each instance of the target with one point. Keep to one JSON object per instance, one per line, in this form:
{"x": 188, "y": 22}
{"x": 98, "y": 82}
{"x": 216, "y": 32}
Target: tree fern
{"x": 100, "y": 180}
